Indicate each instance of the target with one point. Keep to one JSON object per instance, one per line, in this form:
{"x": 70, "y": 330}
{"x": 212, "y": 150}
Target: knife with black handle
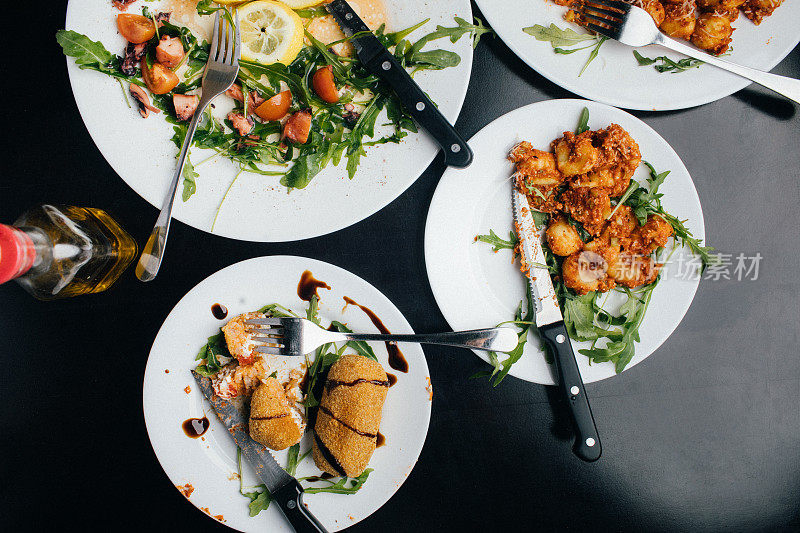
{"x": 552, "y": 329}
{"x": 286, "y": 492}
{"x": 382, "y": 63}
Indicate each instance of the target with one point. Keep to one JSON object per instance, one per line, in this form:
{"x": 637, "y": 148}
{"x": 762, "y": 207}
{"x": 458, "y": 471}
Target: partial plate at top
{"x": 616, "y": 78}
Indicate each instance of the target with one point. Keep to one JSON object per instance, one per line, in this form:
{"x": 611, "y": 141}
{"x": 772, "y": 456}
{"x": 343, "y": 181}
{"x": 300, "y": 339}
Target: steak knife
{"x": 286, "y": 492}
{"x": 382, "y": 63}
{"x": 552, "y": 329}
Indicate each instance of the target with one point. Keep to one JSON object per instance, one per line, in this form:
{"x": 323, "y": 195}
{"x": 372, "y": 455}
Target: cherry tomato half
{"x": 276, "y": 107}
{"x": 159, "y": 79}
{"x": 135, "y": 28}
{"x": 324, "y": 85}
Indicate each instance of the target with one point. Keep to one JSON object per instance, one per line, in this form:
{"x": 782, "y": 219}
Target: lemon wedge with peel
{"x": 271, "y": 32}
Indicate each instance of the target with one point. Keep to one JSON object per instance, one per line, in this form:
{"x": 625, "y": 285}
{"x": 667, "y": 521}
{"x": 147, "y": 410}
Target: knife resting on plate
{"x": 552, "y": 329}
{"x": 382, "y": 63}
{"x": 285, "y": 490}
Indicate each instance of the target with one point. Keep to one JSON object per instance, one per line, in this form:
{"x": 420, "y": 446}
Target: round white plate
{"x": 475, "y": 287}
{"x": 615, "y": 78}
{"x": 209, "y": 464}
{"x": 258, "y": 208}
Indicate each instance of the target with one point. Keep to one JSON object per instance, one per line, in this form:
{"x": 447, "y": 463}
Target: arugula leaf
{"x": 498, "y": 243}
{"x": 556, "y": 36}
{"x": 593, "y": 54}
{"x": 583, "y": 121}
{"x": 293, "y": 459}
{"x": 259, "y": 501}
{"x": 360, "y": 347}
{"x": 341, "y": 487}
{"x": 210, "y": 352}
{"x": 665, "y": 64}
{"x": 87, "y": 53}
{"x": 189, "y": 183}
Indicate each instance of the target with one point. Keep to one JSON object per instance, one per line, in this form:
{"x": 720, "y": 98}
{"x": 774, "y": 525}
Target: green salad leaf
{"x": 665, "y": 64}
{"x": 499, "y": 243}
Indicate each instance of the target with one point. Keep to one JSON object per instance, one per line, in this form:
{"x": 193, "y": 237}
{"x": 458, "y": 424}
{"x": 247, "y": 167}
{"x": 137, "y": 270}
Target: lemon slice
{"x": 229, "y": 2}
{"x": 300, "y": 4}
{"x": 271, "y": 32}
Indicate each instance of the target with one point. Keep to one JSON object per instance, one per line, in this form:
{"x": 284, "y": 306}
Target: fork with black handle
{"x": 633, "y": 26}
{"x": 220, "y": 73}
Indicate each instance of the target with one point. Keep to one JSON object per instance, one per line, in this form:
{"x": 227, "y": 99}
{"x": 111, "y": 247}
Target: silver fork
{"x": 220, "y": 73}
{"x": 633, "y": 26}
{"x": 298, "y": 336}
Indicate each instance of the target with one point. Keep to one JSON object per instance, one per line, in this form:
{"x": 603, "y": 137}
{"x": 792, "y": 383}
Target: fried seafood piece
{"x": 240, "y": 344}
{"x": 562, "y": 237}
{"x": 633, "y": 270}
{"x": 536, "y": 175}
{"x": 538, "y": 168}
{"x": 679, "y": 19}
{"x": 756, "y": 10}
{"x": 273, "y": 422}
{"x": 586, "y": 271}
{"x": 653, "y": 7}
{"x": 589, "y": 206}
{"x": 575, "y": 154}
{"x": 349, "y": 417}
{"x": 729, "y": 8}
{"x": 712, "y": 32}
{"x": 645, "y": 239}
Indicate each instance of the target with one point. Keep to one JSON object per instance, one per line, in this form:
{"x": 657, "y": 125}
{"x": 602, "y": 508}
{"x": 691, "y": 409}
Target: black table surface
{"x": 704, "y": 435}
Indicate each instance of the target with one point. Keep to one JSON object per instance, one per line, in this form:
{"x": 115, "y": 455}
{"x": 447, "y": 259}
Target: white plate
{"x": 475, "y": 287}
{"x": 258, "y": 208}
{"x": 615, "y": 78}
{"x": 209, "y": 464}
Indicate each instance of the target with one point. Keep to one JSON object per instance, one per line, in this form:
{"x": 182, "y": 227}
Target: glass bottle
{"x": 63, "y": 251}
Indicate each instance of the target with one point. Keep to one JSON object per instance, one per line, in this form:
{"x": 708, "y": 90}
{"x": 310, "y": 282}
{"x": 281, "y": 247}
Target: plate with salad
{"x": 623, "y": 234}
{"x": 204, "y": 333}
{"x": 545, "y": 35}
{"x": 305, "y": 143}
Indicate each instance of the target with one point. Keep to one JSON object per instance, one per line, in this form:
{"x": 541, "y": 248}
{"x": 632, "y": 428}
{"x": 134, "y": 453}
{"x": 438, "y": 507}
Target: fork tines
{"x": 225, "y": 41}
{"x": 605, "y": 17}
{"x": 269, "y": 332}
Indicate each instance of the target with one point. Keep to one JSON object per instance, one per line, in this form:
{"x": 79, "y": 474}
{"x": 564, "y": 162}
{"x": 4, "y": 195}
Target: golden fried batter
{"x": 349, "y": 416}
{"x": 271, "y": 420}
{"x": 713, "y": 32}
{"x": 562, "y": 237}
{"x": 756, "y": 10}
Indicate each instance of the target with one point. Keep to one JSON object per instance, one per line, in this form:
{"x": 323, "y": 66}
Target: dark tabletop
{"x": 704, "y": 435}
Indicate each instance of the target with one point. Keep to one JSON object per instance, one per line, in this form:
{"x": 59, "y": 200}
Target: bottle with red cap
{"x": 62, "y": 251}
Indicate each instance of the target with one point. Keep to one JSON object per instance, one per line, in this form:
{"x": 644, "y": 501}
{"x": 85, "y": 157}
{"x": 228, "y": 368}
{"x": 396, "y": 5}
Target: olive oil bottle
{"x": 63, "y": 251}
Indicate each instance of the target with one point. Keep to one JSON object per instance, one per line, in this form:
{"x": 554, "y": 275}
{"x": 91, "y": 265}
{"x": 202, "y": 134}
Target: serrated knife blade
{"x": 552, "y": 329}
{"x": 284, "y": 489}
{"x": 545, "y": 300}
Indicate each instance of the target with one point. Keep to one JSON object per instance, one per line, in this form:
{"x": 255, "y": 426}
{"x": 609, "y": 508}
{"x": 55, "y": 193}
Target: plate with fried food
{"x": 621, "y": 227}
{"x": 546, "y": 35}
{"x": 348, "y": 420}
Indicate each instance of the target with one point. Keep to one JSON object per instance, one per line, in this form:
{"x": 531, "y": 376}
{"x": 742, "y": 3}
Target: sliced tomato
{"x": 324, "y": 85}
{"x": 276, "y": 107}
{"x": 135, "y": 28}
{"x": 159, "y": 79}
